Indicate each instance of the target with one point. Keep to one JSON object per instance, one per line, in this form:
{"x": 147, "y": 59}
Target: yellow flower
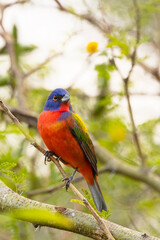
{"x": 92, "y": 47}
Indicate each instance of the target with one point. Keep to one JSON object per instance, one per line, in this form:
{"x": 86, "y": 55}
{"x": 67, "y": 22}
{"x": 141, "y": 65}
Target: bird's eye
{"x": 55, "y": 98}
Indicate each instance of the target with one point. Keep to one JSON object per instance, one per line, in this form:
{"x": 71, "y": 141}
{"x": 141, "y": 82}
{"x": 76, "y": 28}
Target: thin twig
{"x": 126, "y": 88}
{"x": 47, "y": 60}
{"x": 2, "y": 7}
{"x": 16, "y": 2}
{"x": 126, "y": 81}
{"x": 91, "y": 19}
{"x": 51, "y": 189}
{"x": 103, "y": 13}
{"x": 60, "y": 5}
{"x": 134, "y": 129}
{"x": 154, "y": 71}
{"x": 54, "y": 159}
{"x": 133, "y": 57}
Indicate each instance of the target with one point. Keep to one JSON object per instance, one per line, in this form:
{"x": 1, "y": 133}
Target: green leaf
{"x": 115, "y": 42}
{"x": 26, "y": 49}
{"x": 149, "y": 203}
{"x": 77, "y": 201}
{"x": 8, "y": 182}
{"x": 103, "y": 76}
{"x": 4, "y": 81}
{"x": 20, "y": 49}
{"x": 6, "y": 166}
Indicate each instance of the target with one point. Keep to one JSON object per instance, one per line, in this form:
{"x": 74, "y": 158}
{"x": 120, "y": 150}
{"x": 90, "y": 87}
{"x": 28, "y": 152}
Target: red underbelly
{"x": 60, "y": 140}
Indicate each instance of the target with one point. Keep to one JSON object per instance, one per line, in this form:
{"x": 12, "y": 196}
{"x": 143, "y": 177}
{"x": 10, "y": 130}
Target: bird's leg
{"x": 58, "y": 158}
{"x": 47, "y": 155}
{"x": 69, "y": 179}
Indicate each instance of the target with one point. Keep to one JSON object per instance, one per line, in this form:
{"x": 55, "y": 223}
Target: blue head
{"x": 58, "y": 98}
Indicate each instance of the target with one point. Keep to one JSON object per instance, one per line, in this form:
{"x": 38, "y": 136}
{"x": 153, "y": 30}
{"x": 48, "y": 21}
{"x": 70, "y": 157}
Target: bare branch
{"x": 60, "y": 6}
{"x": 133, "y": 57}
{"x": 48, "y": 59}
{"x": 126, "y": 81}
{"x": 29, "y": 118}
{"x": 2, "y": 7}
{"x": 134, "y": 129}
{"x": 101, "y": 26}
{"x": 115, "y": 165}
{"x": 153, "y": 71}
{"x": 14, "y": 3}
{"x": 50, "y": 189}
{"x": 138, "y": 19}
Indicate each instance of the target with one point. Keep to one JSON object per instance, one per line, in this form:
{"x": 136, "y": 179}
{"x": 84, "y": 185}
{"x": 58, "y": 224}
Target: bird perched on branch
{"x": 66, "y": 136}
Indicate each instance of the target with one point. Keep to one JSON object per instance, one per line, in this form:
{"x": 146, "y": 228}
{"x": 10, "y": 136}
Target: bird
{"x": 66, "y": 136}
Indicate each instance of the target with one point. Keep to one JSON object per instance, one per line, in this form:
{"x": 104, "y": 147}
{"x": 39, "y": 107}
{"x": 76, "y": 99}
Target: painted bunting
{"x": 66, "y": 136}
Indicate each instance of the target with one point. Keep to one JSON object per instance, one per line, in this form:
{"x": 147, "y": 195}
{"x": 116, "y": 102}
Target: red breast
{"x": 58, "y": 138}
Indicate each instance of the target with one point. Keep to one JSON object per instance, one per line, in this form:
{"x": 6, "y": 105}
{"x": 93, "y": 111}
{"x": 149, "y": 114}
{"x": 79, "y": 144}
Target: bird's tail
{"x": 97, "y": 196}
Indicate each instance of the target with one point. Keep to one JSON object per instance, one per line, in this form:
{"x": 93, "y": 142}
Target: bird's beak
{"x": 65, "y": 98}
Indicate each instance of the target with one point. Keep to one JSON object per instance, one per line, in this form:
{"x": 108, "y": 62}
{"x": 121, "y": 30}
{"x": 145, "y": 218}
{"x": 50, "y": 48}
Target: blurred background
{"x": 107, "y": 55}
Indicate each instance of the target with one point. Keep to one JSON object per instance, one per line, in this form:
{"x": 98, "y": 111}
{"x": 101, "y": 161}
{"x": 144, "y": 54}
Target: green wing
{"x": 80, "y": 132}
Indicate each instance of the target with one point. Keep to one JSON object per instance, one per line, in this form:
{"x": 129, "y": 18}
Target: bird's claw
{"x": 47, "y": 155}
{"x": 68, "y": 181}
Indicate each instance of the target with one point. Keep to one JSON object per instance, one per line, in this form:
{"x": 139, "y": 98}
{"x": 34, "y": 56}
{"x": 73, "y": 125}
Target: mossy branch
{"x": 63, "y": 218}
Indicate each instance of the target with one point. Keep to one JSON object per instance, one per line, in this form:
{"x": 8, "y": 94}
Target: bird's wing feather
{"x": 79, "y": 131}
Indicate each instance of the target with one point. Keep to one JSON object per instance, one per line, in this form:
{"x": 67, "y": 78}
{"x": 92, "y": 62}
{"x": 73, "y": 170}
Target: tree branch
{"x": 87, "y": 17}
{"x": 63, "y": 218}
{"x": 24, "y": 116}
{"x": 48, "y": 59}
{"x": 16, "y": 2}
{"x": 126, "y": 81}
{"x": 115, "y": 165}
{"x": 154, "y": 71}
{"x": 134, "y": 129}
{"x": 133, "y": 57}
